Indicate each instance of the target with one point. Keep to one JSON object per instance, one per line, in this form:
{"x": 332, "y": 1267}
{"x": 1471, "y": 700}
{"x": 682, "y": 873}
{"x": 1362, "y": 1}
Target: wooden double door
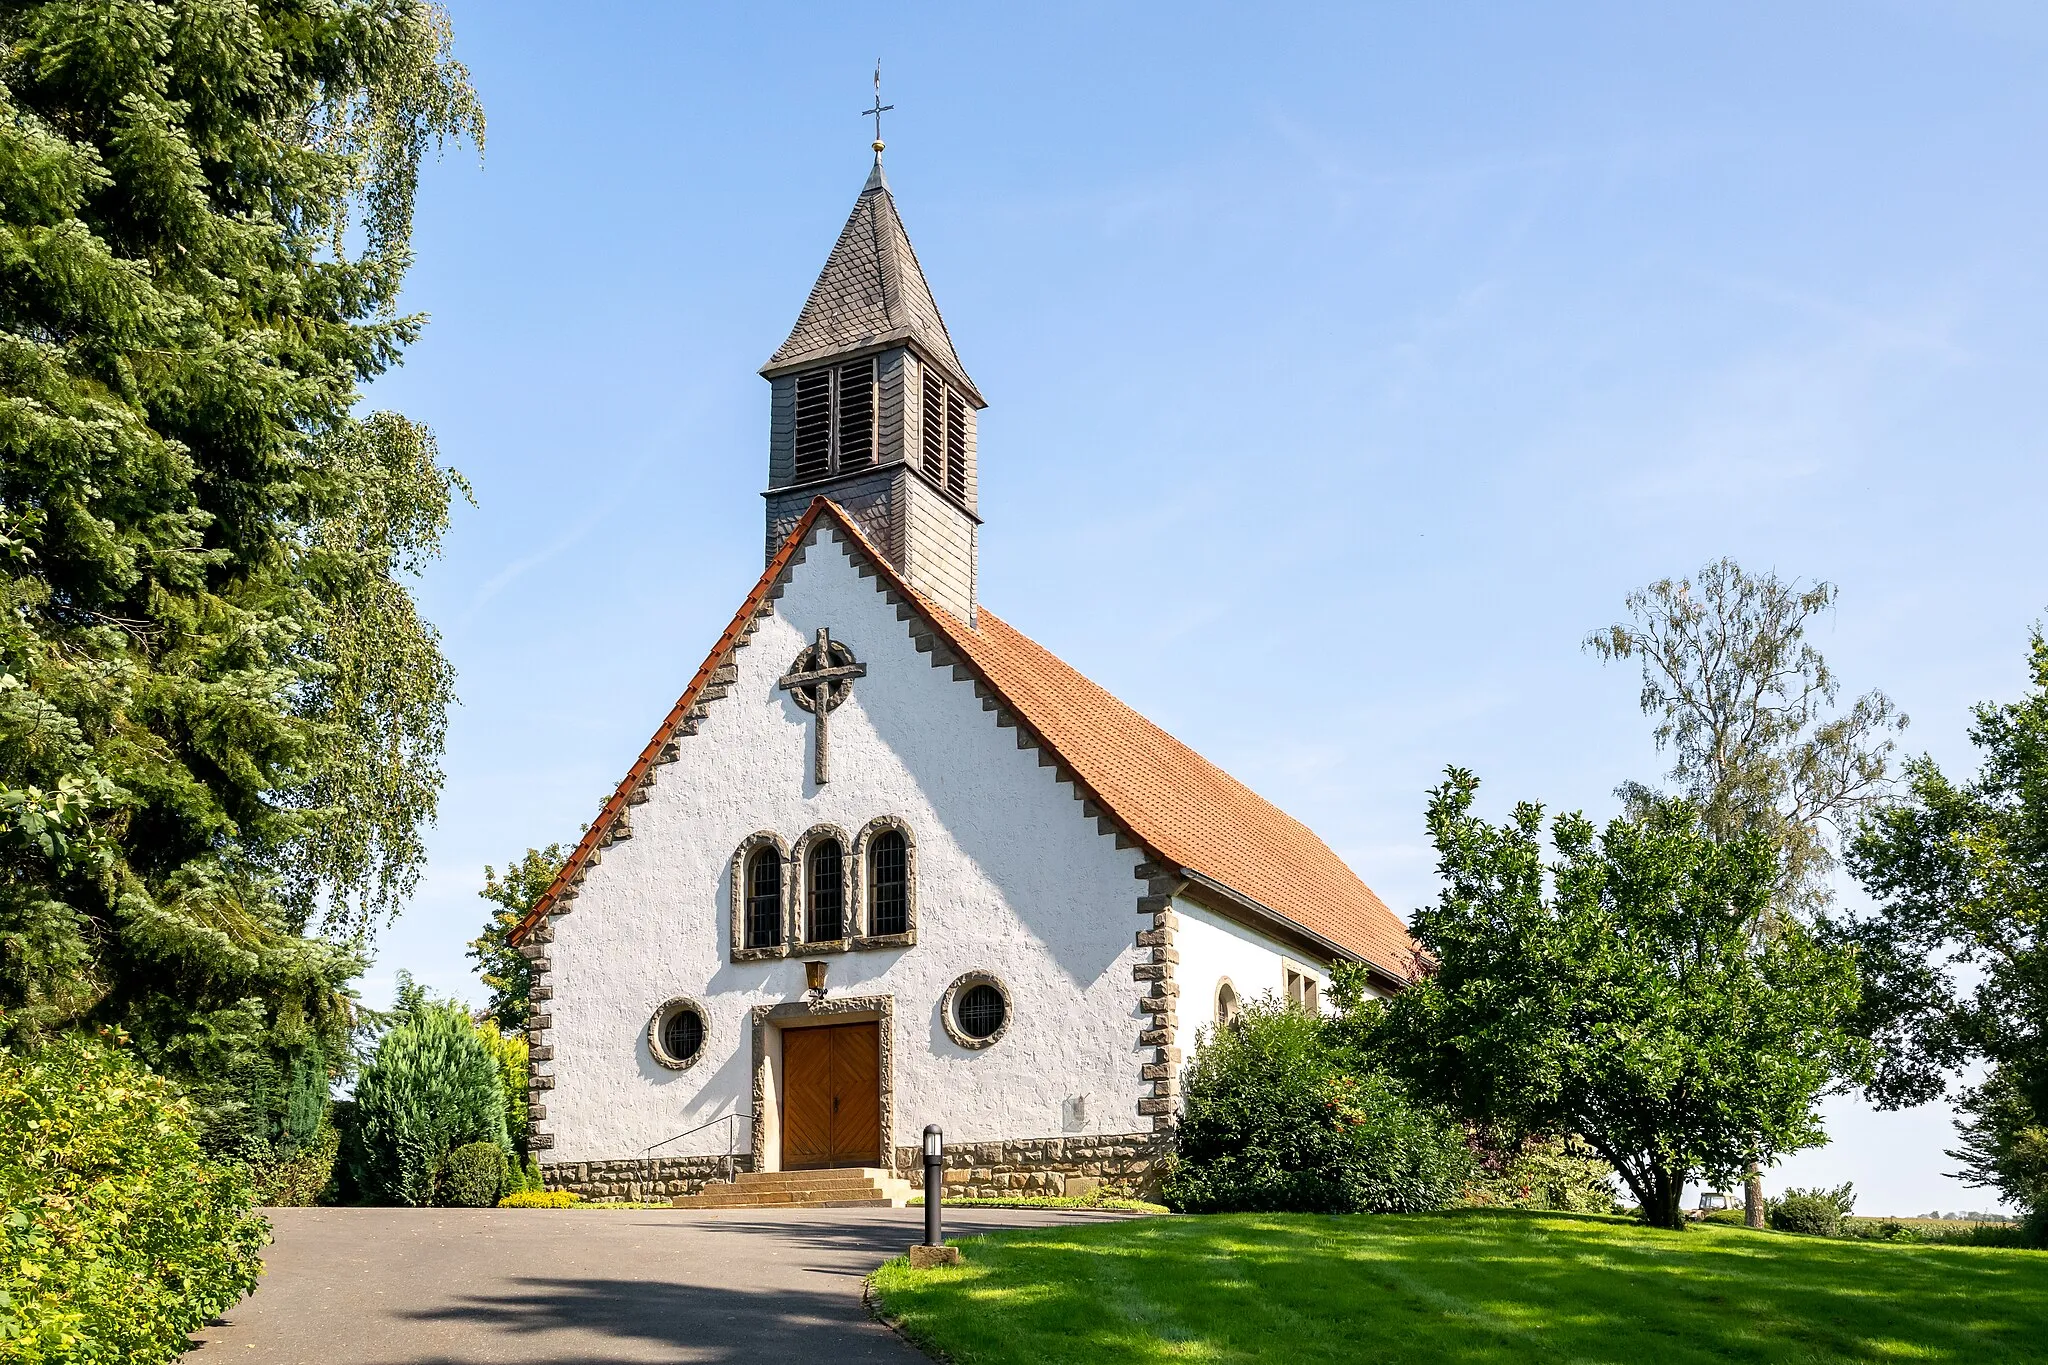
{"x": 831, "y": 1096}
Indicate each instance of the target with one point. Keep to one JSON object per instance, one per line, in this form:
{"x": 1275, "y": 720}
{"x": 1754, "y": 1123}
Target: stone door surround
{"x": 794, "y": 1014}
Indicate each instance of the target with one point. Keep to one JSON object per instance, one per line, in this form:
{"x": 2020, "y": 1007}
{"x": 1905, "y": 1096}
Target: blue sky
{"x": 1346, "y": 366}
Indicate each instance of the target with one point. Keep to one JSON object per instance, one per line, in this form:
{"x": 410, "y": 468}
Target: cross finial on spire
{"x": 879, "y": 110}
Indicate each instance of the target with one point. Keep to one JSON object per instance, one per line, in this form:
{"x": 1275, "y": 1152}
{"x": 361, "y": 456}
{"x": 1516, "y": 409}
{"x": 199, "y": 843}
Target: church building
{"x": 888, "y": 862}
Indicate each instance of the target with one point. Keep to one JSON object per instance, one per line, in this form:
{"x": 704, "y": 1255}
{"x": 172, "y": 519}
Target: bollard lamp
{"x": 934, "y": 1182}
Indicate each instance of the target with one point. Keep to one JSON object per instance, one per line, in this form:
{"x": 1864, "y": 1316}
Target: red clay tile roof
{"x": 1181, "y": 807}
{"x": 1184, "y": 807}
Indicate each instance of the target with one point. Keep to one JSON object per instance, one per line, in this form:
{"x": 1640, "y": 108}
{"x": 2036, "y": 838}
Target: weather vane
{"x": 879, "y": 109}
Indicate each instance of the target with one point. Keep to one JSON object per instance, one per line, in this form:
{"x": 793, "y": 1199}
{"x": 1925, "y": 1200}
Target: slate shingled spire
{"x": 871, "y": 408}
{"x": 870, "y": 294}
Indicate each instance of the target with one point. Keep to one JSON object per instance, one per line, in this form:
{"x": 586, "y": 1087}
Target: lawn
{"x": 1469, "y": 1286}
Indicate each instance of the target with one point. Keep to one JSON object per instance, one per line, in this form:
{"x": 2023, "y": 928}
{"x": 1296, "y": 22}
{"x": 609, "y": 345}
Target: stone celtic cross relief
{"x": 821, "y": 678}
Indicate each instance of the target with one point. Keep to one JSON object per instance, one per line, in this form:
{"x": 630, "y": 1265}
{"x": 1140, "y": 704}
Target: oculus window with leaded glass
{"x": 677, "y": 1033}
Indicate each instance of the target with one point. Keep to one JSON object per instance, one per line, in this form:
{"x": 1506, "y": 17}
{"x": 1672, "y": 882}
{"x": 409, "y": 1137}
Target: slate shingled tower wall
{"x": 871, "y": 303}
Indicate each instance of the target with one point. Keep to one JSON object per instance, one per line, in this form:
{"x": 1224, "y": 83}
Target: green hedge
{"x": 1274, "y": 1123}
{"x": 120, "y": 1237}
{"x": 301, "y": 1180}
{"x": 476, "y": 1176}
{"x": 1817, "y": 1213}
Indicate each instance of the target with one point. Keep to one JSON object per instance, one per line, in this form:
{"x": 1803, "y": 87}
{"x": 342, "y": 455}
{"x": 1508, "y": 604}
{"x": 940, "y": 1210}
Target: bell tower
{"x": 872, "y": 408}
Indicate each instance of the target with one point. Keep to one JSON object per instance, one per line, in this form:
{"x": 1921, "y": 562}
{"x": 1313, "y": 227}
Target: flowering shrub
{"x": 119, "y": 1237}
{"x": 540, "y": 1199}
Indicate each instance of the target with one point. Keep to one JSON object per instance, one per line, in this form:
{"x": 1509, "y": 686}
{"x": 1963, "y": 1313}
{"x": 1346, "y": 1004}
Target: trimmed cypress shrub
{"x": 476, "y": 1176}
{"x": 433, "y": 1086}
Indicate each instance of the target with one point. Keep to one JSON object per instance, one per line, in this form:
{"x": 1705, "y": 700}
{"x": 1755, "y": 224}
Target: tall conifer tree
{"x": 221, "y": 716}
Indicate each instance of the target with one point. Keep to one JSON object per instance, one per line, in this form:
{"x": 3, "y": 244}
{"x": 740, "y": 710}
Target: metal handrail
{"x": 722, "y": 1118}
{"x": 730, "y": 1138}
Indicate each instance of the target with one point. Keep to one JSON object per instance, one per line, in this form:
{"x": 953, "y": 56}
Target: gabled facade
{"x": 888, "y": 862}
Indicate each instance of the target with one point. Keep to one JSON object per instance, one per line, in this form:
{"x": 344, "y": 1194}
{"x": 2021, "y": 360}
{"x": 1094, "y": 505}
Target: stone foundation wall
{"x": 652, "y": 1178}
{"x": 1073, "y": 1166}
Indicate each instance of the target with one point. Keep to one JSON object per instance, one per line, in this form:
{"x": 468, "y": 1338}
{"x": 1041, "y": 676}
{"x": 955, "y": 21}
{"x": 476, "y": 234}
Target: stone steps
{"x": 854, "y": 1187}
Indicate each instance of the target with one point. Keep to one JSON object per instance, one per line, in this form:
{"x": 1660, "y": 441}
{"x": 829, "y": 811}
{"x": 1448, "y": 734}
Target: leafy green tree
{"x": 1616, "y": 993}
{"x": 2004, "y": 1145}
{"x": 221, "y": 715}
{"x": 1746, "y": 705}
{"x": 432, "y": 1086}
{"x": 1954, "y": 956}
{"x": 505, "y": 971}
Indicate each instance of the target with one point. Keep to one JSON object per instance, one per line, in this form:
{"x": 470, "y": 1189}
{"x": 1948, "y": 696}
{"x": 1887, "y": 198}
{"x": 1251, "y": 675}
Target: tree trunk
{"x": 1667, "y": 1194}
{"x": 1753, "y": 1196}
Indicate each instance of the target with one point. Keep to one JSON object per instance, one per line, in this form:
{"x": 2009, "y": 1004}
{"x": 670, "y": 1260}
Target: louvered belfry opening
{"x": 934, "y": 427}
{"x": 813, "y": 425}
{"x": 943, "y": 417}
{"x": 956, "y": 445}
{"x": 857, "y": 414}
{"x": 835, "y": 419}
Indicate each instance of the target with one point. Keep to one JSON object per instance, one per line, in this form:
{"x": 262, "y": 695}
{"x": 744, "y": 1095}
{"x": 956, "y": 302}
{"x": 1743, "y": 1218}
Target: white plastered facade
{"x": 1012, "y": 879}
{"x": 1215, "y": 950}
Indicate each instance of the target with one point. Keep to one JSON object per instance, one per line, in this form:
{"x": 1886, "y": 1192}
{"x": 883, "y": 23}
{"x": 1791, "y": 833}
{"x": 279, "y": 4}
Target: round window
{"x": 982, "y": 1011}
{"x": 976, "y": 1010}
{"x": 676, "y": 1033}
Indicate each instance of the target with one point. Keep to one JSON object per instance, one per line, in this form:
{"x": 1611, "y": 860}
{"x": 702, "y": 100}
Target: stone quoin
{"x": 872, "y": 769}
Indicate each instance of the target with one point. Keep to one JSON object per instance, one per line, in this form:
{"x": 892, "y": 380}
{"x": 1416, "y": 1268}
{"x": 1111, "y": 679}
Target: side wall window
{"x": 1301, "y": 990}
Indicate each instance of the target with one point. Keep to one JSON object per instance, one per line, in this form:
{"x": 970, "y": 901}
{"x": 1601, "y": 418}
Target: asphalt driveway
{"x": 588, "y": 1286}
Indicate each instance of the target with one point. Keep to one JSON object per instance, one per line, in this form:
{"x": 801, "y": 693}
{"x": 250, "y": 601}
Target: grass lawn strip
{"x": 1470, "y": 1286}
{"x": 1041, "y": 1201}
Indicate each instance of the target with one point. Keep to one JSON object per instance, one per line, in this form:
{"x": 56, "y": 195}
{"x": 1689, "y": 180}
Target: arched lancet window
{"x": 889, "y": 884}
{"x": 826, "y": 901}
{"x": 1226, "y": 1004}
{"x": 764, "y": 898}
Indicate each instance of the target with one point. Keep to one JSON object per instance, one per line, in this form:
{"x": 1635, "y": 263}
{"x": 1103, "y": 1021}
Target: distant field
{"x": 1939, "y": 1227}
{"x": 1469, "y": 1286}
